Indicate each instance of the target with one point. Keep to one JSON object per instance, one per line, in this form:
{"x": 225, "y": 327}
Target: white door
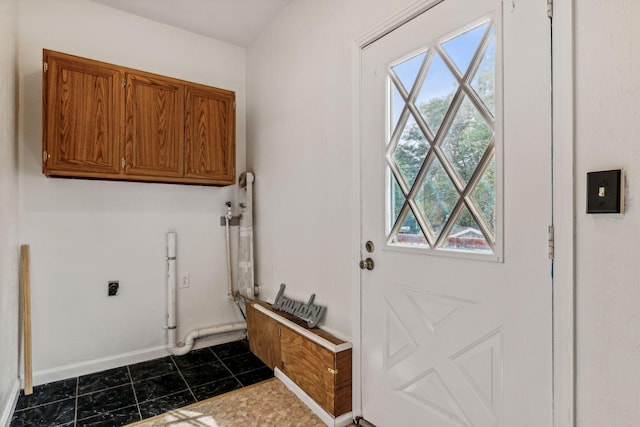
{"x": 456, "y": 203}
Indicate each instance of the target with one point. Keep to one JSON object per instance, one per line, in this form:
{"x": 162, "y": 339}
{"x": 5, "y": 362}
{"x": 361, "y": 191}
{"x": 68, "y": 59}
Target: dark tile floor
{"x": 124, "y": 395}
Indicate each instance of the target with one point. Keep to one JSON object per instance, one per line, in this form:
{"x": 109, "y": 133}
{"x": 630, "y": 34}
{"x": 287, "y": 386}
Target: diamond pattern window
{"x": 441, "y": 145}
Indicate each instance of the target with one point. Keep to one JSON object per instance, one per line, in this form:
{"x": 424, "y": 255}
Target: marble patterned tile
{"x": 48, "y": 393}
{"x": 103, "y": 380}
{"x": 194, "y": 358}
{"x": 203, "y": 374}
{"x": 57, "y": 413}
{"x": 231, "y": 349}
{"x": 152, "y": 368}
{"x": 159, "y": 386}
{"x": 119, "y": 417}
{"x": 99, "y": 402}
{"x": 255, "y": 376}
{"x": 164, "y": 404}
{"x": 215, "y": 388}
{"x": 243, "y": 363}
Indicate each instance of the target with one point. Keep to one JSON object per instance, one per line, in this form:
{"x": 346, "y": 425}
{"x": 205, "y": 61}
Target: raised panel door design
{"x": 210, "y": 134}
{"x": 154, "y": 126}
{"x": 82, "y": 117}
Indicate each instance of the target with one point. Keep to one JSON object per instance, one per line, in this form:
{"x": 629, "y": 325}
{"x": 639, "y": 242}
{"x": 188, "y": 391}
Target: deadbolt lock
{"x": 367, "y": 264}
{"x": 369, "y": 246}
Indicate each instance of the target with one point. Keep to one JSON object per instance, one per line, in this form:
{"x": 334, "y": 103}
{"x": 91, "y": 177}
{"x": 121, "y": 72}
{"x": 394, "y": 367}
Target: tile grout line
{"x": 231, "y": 355}
{"x": 184, "y": 379}
{"x": 230, "y": 371}
{"x": 75, "y": 409}
{"x": 135, "y": 395}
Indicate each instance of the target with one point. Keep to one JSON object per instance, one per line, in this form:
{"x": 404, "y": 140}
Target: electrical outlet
{"x": 112, "y": 289}
{"x": 186, "y": 280}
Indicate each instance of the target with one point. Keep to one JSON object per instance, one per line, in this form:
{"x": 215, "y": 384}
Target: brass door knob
{"x": 367, "y": 264}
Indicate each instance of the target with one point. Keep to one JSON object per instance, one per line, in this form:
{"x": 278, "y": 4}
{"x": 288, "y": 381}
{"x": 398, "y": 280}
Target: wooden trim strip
{"x": 25, "y": 284}
{"x": 335, "y": 348}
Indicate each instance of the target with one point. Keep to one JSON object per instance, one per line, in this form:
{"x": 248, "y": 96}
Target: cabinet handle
{"x": 124, "y": 162}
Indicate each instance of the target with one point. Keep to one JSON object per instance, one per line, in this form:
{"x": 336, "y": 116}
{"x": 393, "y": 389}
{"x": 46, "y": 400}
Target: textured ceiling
{"x": 232, "y": 21}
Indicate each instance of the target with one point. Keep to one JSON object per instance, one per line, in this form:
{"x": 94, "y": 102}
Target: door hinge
{"x": 124, "y": 82}
{"x": 123, "y": 162}
{"x": 46, "y": 66}
{"x": 45, "y": 156}
{"x": 332, "y": 371}
{"x": 552, "y": 243}
{"x": 550, "y": 8}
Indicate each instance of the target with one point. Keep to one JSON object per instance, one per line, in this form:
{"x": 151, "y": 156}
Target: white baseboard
{"x": 115, "y": 361}
{"x": 96, "y": 365}
{"x": 10, "y": 405}
{"x": 327, "y": 418}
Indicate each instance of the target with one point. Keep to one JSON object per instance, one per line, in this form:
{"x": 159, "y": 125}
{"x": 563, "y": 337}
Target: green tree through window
{"x": 454, "y": 156}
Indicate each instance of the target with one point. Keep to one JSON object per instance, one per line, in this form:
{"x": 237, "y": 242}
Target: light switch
{"x": 605, "y": 192}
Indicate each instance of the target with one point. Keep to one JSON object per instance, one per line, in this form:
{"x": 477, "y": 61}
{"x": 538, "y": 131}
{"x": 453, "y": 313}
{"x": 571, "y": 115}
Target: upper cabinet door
{"x": 154, "y": 130}
{"x": 210, "y": 134}
{"x": 82, "y": 120}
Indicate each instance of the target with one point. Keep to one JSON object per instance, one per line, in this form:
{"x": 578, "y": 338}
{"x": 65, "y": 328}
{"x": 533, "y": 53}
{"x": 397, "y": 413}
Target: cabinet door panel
{"x": 307, "y": 363}
{"x": 83, "y": 116}
{"x": 264, "y": 339}
{"x": 154, "y": 126}
{"x": 210, "y": 134}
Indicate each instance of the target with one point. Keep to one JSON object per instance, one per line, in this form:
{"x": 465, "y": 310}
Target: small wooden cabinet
{"x": 110, "y": 122}
{"x": 316, "y": 361}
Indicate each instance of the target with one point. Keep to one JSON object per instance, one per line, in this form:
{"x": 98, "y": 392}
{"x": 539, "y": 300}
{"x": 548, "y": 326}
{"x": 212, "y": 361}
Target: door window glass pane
{"x": 443, "y": 103}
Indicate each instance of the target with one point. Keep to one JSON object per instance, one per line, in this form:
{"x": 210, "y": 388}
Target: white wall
{"x": 300, "y": 145}
{"x": 8, "y": 207}
{"x": 84, "y": 233}
{"x": 608, "y": 272}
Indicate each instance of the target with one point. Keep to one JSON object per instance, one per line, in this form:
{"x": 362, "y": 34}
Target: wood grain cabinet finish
{"x": 82, "y": 117}
{"x": 210, "y": 134}
{"x": 325, "y": 375}
{"x": 321, "y": 373}
{"x": 154, "y": 129}
{"x": 264, "y": 337}
{"x": 110, "y": 122}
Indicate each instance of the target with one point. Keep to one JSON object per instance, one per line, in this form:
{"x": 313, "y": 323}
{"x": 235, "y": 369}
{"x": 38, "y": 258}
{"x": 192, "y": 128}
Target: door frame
{"x": 563, "y": 202}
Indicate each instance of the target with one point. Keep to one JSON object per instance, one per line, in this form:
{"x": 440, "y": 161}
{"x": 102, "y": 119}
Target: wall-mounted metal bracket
{"x": 235, "y": 220}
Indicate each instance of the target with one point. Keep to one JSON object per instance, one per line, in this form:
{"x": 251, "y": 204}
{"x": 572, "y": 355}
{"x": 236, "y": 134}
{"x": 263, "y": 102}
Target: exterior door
{"x": 456, "y": 299}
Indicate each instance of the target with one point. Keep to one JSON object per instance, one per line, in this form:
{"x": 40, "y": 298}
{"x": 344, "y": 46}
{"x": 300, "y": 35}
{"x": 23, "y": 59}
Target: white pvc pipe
{"x": 250, "y": 291}
{"x": 227, "y": 222}
{"x": 246, "y": 279}
{"x": 171, "y": 288}
{"x": 179, "y": 349}
{"x": 189, "y": 341}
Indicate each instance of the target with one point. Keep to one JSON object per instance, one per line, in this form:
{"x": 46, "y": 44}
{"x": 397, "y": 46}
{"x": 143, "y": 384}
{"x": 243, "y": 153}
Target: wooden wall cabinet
{"x": 110, "y": 122}
{"x": 318, "y": 362}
